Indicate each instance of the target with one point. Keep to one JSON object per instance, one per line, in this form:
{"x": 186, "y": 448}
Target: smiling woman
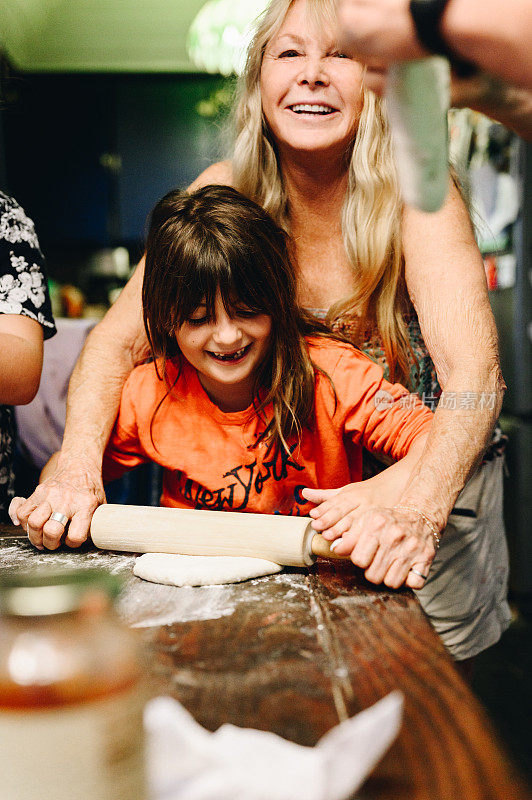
{"x": 313, "y": 149}
{"x": 342, "y": 158}
{"x": 307, "y": 89}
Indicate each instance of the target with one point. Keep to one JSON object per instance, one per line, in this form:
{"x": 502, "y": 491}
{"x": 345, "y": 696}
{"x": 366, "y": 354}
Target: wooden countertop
{"x": 297, "y": 652}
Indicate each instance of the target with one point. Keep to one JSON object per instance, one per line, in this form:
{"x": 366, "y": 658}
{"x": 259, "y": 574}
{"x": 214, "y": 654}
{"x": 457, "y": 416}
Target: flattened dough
{"x": 178, "y": 570}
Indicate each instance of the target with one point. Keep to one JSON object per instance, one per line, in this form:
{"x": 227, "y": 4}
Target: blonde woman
{"x": 312, "y": 148}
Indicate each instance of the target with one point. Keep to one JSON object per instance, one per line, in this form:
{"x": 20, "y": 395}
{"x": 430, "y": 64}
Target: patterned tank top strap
{"x": 423, "y": 379}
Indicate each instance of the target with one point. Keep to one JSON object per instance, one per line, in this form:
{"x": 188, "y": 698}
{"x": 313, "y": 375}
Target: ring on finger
{"x": 62, "y": 519}
{"x": 417, "y": 572}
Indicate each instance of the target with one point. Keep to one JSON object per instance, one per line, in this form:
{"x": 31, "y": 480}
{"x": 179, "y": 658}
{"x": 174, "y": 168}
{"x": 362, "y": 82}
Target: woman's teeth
{"x": 307, "y": 108}
{"x": 230, "y": 356}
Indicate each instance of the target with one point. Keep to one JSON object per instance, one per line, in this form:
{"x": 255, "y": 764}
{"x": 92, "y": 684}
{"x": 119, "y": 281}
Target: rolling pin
{"x": 289, "y": 541}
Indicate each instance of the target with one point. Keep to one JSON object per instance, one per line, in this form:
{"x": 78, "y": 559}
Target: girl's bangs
{"x": 207, "y": 276}
{"x": 238, "y": 291}
{"x": 199, "y": 284}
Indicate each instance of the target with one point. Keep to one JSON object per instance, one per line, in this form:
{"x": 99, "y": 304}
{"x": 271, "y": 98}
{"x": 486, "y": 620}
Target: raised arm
{"x": 75, "y": 486}
{"x": 509, "y": 105}
{"x": 495, "y": 36}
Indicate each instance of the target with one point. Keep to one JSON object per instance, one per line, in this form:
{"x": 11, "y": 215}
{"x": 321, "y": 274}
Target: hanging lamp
{"x": 220, "y": 33}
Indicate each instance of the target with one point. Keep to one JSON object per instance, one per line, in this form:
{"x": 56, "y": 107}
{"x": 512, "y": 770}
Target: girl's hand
{"x": 389, "y": 544}
{"x": 338, "y": 508}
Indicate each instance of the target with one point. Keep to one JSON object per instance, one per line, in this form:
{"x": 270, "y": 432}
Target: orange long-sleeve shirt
{"x": 207, "y": 455}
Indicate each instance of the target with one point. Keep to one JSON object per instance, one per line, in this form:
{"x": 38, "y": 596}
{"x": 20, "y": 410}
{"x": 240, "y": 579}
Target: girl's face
{"x": 226, "y": 352}
{"x": 311, "y": 93}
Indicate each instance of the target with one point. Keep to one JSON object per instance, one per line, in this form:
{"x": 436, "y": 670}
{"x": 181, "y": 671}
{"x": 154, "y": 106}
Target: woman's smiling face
{"x": 311, "y": 93}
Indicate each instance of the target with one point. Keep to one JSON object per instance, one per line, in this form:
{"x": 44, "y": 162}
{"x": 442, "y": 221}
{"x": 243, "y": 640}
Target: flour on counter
{"x": 147, "y": 605}
{"x": 142, "y": 604}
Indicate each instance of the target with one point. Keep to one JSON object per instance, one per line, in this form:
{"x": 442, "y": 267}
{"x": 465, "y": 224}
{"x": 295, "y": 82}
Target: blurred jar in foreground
{"x": 71, "y": 694}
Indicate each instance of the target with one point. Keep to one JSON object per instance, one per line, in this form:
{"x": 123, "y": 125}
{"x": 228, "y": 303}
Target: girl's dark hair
{"x": 216, "y": 239}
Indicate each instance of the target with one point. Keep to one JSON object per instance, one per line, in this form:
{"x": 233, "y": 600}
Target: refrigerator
{"x": 511, "y": 301}
{"x": 497, "y": 168}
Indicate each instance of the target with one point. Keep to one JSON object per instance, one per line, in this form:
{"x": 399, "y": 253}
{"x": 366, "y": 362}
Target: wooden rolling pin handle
{"x": 290, "y": 541}
{"x": 321, "y": 547}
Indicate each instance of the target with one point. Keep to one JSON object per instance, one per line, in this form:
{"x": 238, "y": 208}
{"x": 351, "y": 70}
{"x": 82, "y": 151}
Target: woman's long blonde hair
{"x": 371, "y": 213}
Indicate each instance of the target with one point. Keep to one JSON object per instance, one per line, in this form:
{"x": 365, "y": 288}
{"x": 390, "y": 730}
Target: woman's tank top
{"x": 423, "y": 378}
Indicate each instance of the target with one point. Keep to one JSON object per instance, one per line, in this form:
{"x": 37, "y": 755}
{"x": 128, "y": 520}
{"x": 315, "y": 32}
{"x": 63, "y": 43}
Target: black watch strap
{"x": 426, "y": 15}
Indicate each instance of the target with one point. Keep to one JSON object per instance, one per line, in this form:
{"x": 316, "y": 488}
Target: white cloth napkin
{"x": 187, "y": 762}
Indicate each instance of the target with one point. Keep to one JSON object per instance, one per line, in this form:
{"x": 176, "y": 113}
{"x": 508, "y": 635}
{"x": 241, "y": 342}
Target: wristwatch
{"x": 426, "y": 16}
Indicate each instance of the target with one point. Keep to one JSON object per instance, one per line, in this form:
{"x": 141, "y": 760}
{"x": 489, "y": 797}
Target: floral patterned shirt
{"x": 23, "y": 291}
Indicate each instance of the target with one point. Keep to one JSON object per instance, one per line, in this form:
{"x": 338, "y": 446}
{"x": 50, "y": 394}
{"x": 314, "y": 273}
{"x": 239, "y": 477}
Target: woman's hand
{"x": 74, "y": 489}
{"x": 393, "y": 546}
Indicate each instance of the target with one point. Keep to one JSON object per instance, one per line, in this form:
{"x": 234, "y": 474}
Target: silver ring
{"x": 59, "y": 517}
{"x": 416, "y": 572}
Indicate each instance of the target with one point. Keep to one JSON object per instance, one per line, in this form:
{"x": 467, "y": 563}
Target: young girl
{"x": 249, "y": 400}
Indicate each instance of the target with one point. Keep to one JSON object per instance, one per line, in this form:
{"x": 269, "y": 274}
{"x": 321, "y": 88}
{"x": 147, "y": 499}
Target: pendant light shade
{"x": 220, "y": 33}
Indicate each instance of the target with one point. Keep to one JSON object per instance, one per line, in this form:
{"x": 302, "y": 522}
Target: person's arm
{"x": 495, "y": 36}
{"x": 21, "y": 349}
{"x": 75, "y": 487}
{"x": 336, "y": 509}
{"x": 124, "y": 451}
{"x": 380, "y": 32}
{"x": 447, "y": 284}
{"x": 509, "y": 105}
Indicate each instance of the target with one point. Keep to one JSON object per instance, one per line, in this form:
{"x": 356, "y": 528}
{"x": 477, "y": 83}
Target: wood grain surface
{"x": 299, "y": 652}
